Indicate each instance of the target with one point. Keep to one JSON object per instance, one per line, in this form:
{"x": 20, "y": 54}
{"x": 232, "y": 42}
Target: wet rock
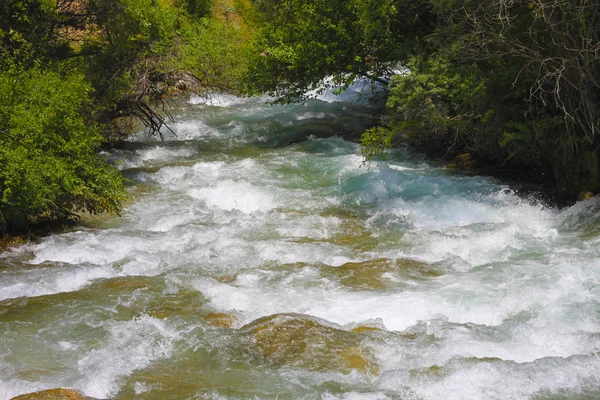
{"x": 379, "y": 273}
{"x": 127, "y": 283}
{"x": 352, "y": 232}
{"x": 161, "y": 314}
{"x": 464, "y": 161}
{"x": 228, "y": 278}
{"x": 221, "y": 320}
{"x": 185, "y": 303}
{"x": 302, "y": 342}
{"x": 53, "y": 394}
{"x": 433, "y": 371}
{"x": 364, "y": 328}
{"x": 7, "y": 242}
{"x": 359, "y": 239}
{"x": 585, "y": 195}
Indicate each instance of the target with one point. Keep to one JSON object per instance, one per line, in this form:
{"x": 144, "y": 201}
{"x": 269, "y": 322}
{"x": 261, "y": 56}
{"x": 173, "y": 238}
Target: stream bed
{"x": 259, "y": 258}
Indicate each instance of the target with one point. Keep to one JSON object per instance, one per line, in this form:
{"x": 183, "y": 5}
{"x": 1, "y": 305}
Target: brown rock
{"x": 53, "y": 394}
{"x": 301, "y": 342}
{"x": 463, "y": 162}
{"x": 221, "y": 320}
{"x": 585, "y": 195}
{"x": 364, "y": 328}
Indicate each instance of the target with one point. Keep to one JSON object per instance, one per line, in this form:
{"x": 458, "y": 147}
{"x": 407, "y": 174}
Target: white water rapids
{"x": 259, "y": 260}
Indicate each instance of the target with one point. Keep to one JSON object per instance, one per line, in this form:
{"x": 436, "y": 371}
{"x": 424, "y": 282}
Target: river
{"x": 258, "y": 258}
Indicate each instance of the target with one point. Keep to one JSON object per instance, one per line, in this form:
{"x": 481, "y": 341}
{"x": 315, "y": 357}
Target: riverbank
{"x": 79, "y": 74}
{"x": 526, "y": 184}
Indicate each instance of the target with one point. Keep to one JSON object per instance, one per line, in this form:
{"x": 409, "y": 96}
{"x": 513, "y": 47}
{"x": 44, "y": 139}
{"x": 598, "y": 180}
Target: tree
{"x": 518, "y": 87}
{"x": 299, "y": 43}
{"x": 510, "y": 82}
{"x": 71, "y": 71}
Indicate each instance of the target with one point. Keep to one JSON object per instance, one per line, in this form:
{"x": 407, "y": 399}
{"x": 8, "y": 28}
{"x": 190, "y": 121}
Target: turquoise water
{"x": 260, "y": 259}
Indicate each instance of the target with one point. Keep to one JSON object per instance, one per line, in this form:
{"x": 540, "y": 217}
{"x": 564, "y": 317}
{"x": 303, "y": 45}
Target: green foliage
{"x": 49, "y": 166}
{"x": 129, "y": 32}
{"x": 144, "y": 48}
{"x": 298, "y": 42}
{"x": 24, "y": 30}
{"x": 70, "y": 71}
{"x": 511, "y": 83}
{"x": 376, "y": 142}
{"x": 444, "y": 107}
{"x": 196, "y": 8}
{"x": 215, "y": 53}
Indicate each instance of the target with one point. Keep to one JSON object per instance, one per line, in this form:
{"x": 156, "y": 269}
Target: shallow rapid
{"x": 259, "y": 258}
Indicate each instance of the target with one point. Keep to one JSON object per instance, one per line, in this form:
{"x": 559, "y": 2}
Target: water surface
{"x": 259, "y": 259}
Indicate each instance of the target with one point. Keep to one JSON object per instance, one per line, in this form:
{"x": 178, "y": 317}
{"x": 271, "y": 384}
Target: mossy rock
{"x": 365, "y": 328}
{"x": 359, "y": 239}
{"x": 585, "y": 195}
{"x": 433, "y": 371}
{"x": 375, "y": 274}
{"x": 183, "y": 303}
{"x": 127, "y": 283}
{"x": 299, "y": 341}
{"x": 464, "y": 161}
{"x": 221, "y": 320}
{"x": 7, "y": 241}
{"x": 53, "y": 394}
{"x": 353, "y": 233}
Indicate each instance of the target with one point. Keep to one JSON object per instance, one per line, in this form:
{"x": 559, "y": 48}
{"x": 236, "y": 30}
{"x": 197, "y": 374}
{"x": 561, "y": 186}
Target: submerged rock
{"x": 221, "y": 320}
{"x": 378, "y": 273}
{"x": 53, "y": 394}
{"x": 365, "y": 328}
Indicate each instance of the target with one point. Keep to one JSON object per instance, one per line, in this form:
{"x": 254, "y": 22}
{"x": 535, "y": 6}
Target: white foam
{"x": 131, "y": 345}
{"x": 355, "y": 396}
{"x": 152, "y": 156}
{"x": 358, "y": 92}
{"x": 55, "y": 281}
{"x": 518, "y": 282}
{"x": 502, "y": 380}
{"x": 229, "y": 195}
{"x": 216, "y": 100}
{"x": 195, "y": 129}
{"x": 315, "y": 227}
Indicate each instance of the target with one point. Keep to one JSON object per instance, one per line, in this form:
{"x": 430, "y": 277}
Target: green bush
{"x": 67, "y": 80}
{"x": 215, "y": 53}
{"x": 49, "y": 167}
{"x": 196, "y": 8}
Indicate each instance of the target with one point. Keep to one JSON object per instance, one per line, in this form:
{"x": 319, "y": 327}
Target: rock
{"x": 463, "y": 162}
{"x": 585, "y": 195}
{"x": 127, "y": 283}
{"x": 185, "y": 302}
{"x": 353, "y": 358}
{"x": 221, "y": 320}
{"x": 53, "y": 394}
{"x": 364, "y": 328}
{"x": 160, "y": 314}
{"x": 377, "y": 273}
{"x": 302, "y": 342}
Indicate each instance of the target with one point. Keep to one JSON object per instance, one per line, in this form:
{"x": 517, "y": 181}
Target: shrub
{"x": 49, "y": 167}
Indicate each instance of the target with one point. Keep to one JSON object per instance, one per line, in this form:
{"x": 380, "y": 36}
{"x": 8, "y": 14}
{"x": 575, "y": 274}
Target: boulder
{"x": 300, "y": 341}
{"x": 53, "y": 394}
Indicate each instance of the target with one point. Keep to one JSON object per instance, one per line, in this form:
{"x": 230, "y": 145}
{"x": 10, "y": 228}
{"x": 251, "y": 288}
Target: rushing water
{"x": 259, "y": 260}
